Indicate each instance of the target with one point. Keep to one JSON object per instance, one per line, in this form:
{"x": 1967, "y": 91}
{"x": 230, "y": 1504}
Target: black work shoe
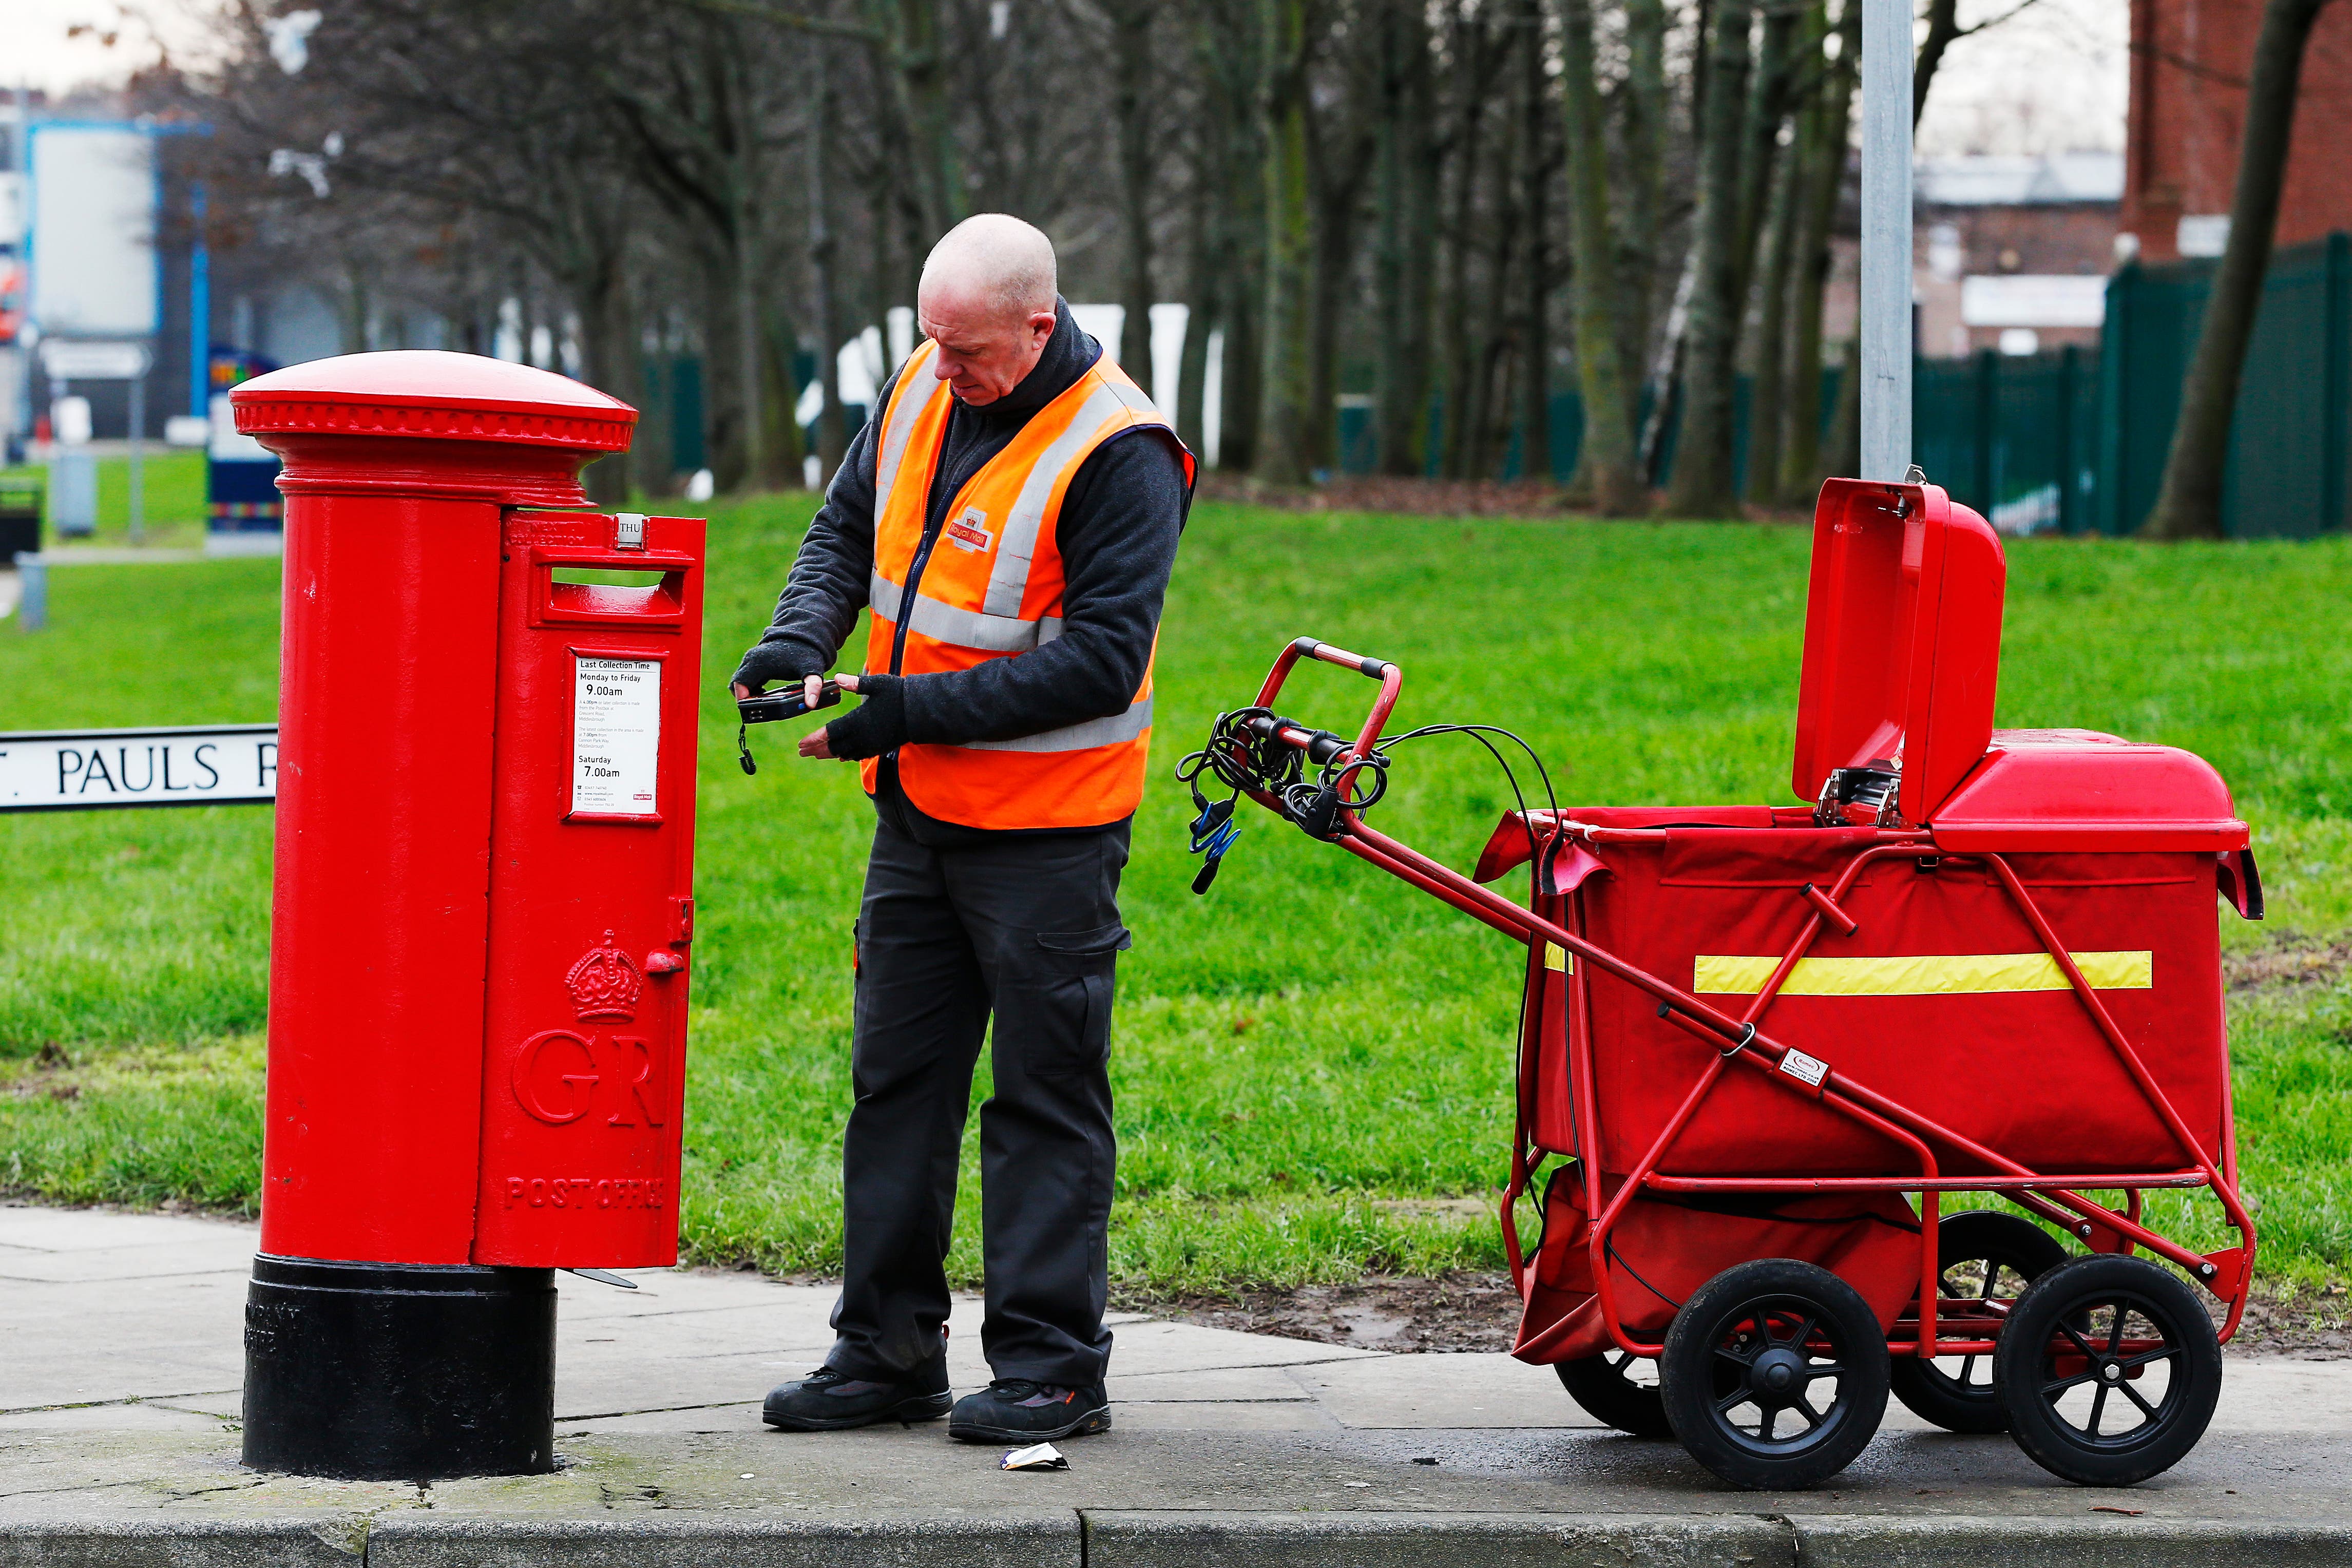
{"x": 831, "y": 1401}
{"x": 1015, "y": 1410}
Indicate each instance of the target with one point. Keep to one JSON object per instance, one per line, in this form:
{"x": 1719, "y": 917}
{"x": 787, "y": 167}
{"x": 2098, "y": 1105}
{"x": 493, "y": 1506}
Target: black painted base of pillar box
{"x": 388, "y": 1371}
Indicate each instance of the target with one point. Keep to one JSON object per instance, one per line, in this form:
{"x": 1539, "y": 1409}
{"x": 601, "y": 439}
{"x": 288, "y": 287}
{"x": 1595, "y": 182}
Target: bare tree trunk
{"x": 1289, "y": 251}
{"x": 1334, "y": 255}
{"x": 1228, "y": 52}
{"x": 1459, "y": 442}
{"x": 1943, "y": 27}
{"x": 1702, "y": 482}
{"x": 1244, "y": 396}
{"x": 1759, "y": 142}
{"x": 1643, "y": 106}
{"x": 1202, "y": 295}
{"x": 609, "y": 362}
{"x": 1410, "y": 164}
{"x": 1131, "y": 99}
{"x": 1488, "y": 416}
{"x": 1768, "y": 405}
{"x": 1535, "y": 335}
{"x": 2189, "y": 504}
{"x": 747, "y": 345}
{"x": 920, "y": 74}
{"x": 1666, "y": 376}
{"x": 1824, "y": 135}
{"x": 882, "y": 279}
{"x": 832, "y": 423}
{"x": 1605, "y": 477}
{"x": 779, "y": 396}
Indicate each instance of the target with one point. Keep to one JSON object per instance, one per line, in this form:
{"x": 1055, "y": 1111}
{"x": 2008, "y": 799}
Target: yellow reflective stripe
{"x": 1924, "y": 974}
{"x": 1556, "y": 957}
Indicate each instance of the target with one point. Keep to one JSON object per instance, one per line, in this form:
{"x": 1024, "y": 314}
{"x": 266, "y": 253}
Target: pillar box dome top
{"x": 428, "y": 423}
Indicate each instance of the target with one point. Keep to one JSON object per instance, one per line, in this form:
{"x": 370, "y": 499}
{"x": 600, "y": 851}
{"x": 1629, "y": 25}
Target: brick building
{"x": 2189, "y": 63}
{"x": 2012, "y": 253}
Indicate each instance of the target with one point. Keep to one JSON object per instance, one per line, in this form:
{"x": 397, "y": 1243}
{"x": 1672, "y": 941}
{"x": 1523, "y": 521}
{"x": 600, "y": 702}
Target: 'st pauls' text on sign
{"x": 78, "y": 770}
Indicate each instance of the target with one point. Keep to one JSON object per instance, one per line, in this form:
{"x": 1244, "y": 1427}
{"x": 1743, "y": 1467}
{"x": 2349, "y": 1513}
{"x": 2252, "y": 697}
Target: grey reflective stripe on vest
{"x": 964, "y": 628}
{"x": 1008, "y": 580}
{"x": 896, "y": 431}
{"x": 1084, "y": 737}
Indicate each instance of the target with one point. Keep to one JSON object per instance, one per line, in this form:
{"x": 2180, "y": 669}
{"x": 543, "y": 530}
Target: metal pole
{"x": 137, "y": 490}
{"x": 1886, "y": 238}
{"x": 200, "y": 308}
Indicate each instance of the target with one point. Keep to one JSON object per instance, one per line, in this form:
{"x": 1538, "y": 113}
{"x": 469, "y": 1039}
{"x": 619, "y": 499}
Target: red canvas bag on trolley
{"x": 1942, "y": 995}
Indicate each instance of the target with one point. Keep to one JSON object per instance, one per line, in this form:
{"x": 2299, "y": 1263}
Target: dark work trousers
{"x": 1025, "y": 929}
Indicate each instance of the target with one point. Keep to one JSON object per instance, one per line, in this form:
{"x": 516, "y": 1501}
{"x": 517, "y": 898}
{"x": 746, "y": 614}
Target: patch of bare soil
{"x": 2314, "y": 1325}
{"x": 1474, "y": 1311}
{"x": 44, "y": 1076}
{"x": 2290, "y": 960}
{"x": 1459, "y": 1312}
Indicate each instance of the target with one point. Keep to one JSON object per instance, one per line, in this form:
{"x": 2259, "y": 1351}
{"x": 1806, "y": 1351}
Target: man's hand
{"x": 814, "y": 743}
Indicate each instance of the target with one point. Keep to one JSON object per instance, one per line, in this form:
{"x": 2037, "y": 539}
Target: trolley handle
{"x": 1321, "y": 745}
{"x": 1390, "y": 677}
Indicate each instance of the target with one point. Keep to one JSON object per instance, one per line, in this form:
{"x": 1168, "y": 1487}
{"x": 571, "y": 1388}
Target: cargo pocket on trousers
{"x": 1074, "y": 975}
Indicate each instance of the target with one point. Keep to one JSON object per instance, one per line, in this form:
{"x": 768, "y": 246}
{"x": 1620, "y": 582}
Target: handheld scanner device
{"x": 786, "y": 702}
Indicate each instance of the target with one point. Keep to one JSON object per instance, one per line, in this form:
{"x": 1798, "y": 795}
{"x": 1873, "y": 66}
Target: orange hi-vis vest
{"x": 992, "y": 588}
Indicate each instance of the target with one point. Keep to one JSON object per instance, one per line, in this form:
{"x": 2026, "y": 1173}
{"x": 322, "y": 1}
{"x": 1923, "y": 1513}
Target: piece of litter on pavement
{"x": 1424, "y": 1461}
{"x": 1041, "y": 1457}
{"x": 1359, "y": 1483}
{"x": 746, "y": 1475}
{"x": 2128, "y": 1512}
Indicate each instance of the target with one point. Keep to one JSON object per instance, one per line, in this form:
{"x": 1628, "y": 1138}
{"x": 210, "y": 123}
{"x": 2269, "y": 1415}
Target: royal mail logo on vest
{"x": 970, "y": 531}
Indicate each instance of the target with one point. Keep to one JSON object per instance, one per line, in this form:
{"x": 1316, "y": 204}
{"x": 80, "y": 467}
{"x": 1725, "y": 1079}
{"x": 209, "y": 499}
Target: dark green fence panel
{"x": 2010, "y": 437}
{"x": 2283, "y": 440}
{"x": 2288, "y": 445}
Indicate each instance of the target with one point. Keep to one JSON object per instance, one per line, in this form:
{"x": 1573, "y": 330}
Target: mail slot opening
{"x": 607, "y": 576}
{"x": 611, "y": 592}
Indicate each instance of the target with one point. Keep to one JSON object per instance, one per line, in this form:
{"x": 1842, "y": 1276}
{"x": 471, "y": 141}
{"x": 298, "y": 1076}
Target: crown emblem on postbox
{"x": 605, "y": 983}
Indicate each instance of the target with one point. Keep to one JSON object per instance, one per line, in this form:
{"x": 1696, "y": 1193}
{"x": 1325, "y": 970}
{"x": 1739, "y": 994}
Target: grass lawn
{"x": 172, "y": 484}
{"x": 1309, "y": 1055}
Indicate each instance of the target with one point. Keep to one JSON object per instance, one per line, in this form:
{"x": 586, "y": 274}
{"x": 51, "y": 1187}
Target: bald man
{"x": 1010, "y": 514}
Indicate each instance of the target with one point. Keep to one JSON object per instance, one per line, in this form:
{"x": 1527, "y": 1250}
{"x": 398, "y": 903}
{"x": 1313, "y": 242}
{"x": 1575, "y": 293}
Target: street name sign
{"x": 69, "y": 361}
{"x": 84, "y": 770}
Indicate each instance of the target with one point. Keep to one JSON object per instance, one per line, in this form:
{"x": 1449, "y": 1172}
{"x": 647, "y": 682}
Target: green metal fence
{"x": 2289, "y": 445}
{"x": 2013, "y": 437}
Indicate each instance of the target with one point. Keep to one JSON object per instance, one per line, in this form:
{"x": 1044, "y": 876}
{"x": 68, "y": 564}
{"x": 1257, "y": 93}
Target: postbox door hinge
{"x": 681, "y": 925}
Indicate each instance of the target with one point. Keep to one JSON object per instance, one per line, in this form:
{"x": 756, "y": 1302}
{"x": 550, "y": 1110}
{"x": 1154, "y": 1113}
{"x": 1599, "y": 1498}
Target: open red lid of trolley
{"x": 1902, "y": 640}
{"x": 1902, "y": 666}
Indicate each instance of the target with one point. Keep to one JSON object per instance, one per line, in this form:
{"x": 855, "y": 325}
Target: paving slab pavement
{"x": 120, "y": 1356}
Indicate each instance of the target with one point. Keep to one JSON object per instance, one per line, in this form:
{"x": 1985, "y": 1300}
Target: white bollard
{"x": 32, "y": 591}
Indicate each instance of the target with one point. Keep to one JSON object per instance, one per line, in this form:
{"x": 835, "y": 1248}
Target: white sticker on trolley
{"x": 1805, "y": 1068}
{"x": 616, "y": 735}
{"x": 1806, "y": 1071}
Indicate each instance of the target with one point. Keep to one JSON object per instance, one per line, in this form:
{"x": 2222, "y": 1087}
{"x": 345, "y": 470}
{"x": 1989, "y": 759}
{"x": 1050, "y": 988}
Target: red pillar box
{"x": 483, "y": 907}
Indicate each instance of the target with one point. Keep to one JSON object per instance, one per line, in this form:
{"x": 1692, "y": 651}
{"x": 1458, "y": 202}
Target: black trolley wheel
{"x": 2109, "y": 1369}
{"x": 1989, "y": 1257}
{"x": 1605, "y": 1386}
{"x": 1774, "y": 1375}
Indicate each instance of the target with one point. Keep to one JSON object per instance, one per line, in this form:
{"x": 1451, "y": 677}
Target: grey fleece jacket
{"x": 1117, "y": 532}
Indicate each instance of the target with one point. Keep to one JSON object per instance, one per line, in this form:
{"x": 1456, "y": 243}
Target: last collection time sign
{"x": 82, "y": 769}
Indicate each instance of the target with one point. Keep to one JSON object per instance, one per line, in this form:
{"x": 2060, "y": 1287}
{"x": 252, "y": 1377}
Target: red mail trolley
{"x": 1764, "y": 1048}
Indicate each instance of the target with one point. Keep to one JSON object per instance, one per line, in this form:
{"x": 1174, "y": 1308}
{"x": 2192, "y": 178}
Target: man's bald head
{"x": 987, "y": 300}
{"x": 993, "y": 258}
